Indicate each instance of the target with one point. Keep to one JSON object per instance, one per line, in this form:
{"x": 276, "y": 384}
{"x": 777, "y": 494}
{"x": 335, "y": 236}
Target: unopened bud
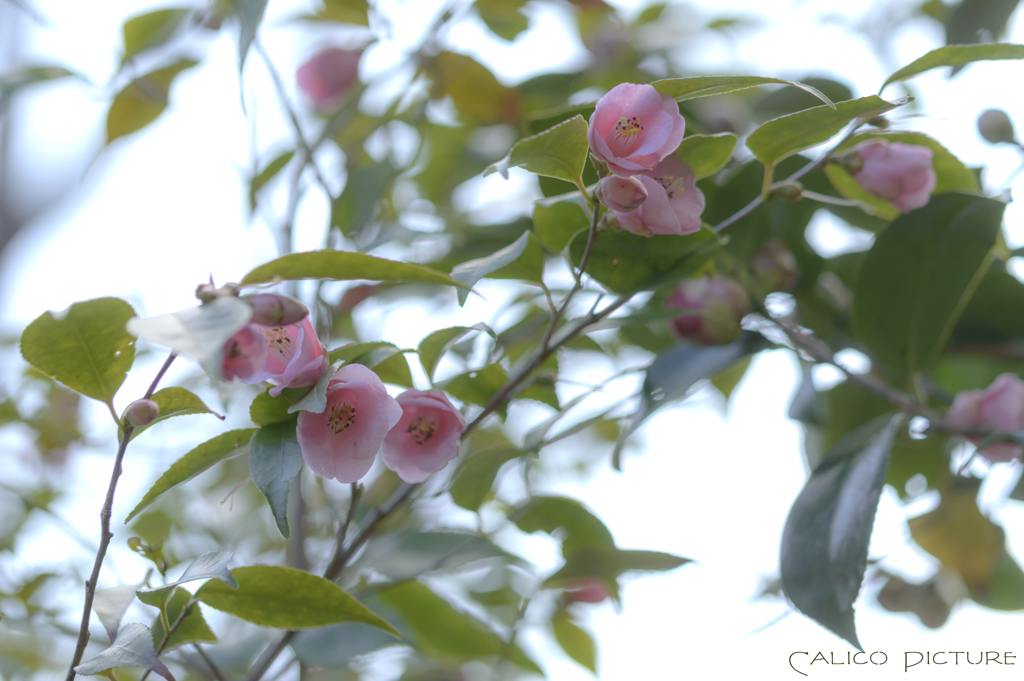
{"x": 621, "y": 193}
{"x": 879, "y": 122}
{"x": 718, "y": 305}
{"x": 142, "y": 412}
{"x": 210, "y": 291}
{"x": 790, "y": 191}
{"x": 775, "y": 267}
{"x": 995, "y": 126}
{"x": 274, "y": 309}
{"x": 850, "y": 161}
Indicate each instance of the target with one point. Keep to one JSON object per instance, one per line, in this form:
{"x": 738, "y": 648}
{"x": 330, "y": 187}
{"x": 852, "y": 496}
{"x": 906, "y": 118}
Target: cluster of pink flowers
{"x": 418, "y": 432}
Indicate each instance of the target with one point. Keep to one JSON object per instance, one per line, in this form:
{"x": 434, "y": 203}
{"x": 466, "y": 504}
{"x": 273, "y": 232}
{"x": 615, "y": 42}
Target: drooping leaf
{"x": 286, "y": 598}
{"x": 198, "y": 331}
{"x": 173, "y": 402}
{"x": 559, "y": 152}
{"x": 191, "y": 629}
{"x": 210, "y": 565}
{"x": 152, "y": 29}
{"x": 705, "y": 86}
{"x": 468, "y": 273}
{"x": 576, "y": 642}
{"x": 274, "y": 461}
{"x": 133, "y": 648}
{"x": 195, "y": 462}
{"x": 343, "y": 266}
{"x": 918, "y": 276}
{"x": 608, "y": 562}
{"x": 475, "y": 478}
{"x": 582, "y": 528}
{"x": 84, "y": 347}
{"x": 434, "y": 346}
{"x": 956, "y": 55}
{"x": 787, "y": 135}
{"x": 335, "y": 646}
{"x": 825, "y": 539}
{"x": 143, "y": 100}
{"x": 268, "y": 173}
{"x": 707, "y": 154}
{"x": 250, "y": 14}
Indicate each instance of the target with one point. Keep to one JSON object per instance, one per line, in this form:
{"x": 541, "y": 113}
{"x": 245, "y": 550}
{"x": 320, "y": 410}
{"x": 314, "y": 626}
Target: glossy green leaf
{"x": 559, "y": 152}
{"x": 286, "y": 598}
{"x": 268, "y": 173}
{"x": 274, "y": 461}
{"x": 478, "y": 386}
{"x": 173, "y": 402}
{"x": 503, "y": 17}
{"x": 354, "y": 351}
{"x": 473, "y": 481}
{"x": 146, "y": 31}
{"x": 825, "y": 539}
{"x": 343, "y": 266}
{"x": 192, "y": 629}
{"x": 267, "y": 409}
{"x": 433, "y": 347}
{"x": 956, "y": 55}
{"x": 787, "y": 135}
{"x": 143, "y": 100}
{"x": 577, "y": 643}
{"x": 250, "y": 14}
{"x": 608, "y": 562}
{"x": 917, "y": 278}
{"x": 557, "y": 224}
{"x": 705, "y": 86}
{"x": 84, "y": 347}
{"x": 394, "y": 369}
{"x": 195, "y": 462}
{"x": 582, "y": 528}
{"x": 441, "y": 631}
{"x": 707, "y": 154}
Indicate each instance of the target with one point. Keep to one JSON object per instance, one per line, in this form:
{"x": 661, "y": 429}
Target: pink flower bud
{"x": 673, "y": 205}
{"x": 245, "y": 355}
{"x": 999, "y": 406}
{"x": 633, "y": 128}
{"x": 774, "y": 267}
{"x": 427, "y": 436}
{"x": 587, "y": 590}
{"x": 274, "y": 309}
{"x": 342, "y": 442}
{"x": 721, "y": 303}
{"x": 622, "y": 193}
{"x": 142, "y": 412}
{"x": 898, "y": 173}
{"x": 327, "y": 77}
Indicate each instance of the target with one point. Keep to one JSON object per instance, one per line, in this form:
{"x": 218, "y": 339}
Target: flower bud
{"x": 621, "y": 193}
{"x": 588, "y": 590}
{"x": 790, "y": 191}
{"x": 142, "y": 412}
{"x": 274, "y": 309}
{"x": 774, "y": 266}
{"x": 995, "y": 126}
{"x": 328, "y": 76}
{"x": 899, "y": 173}
{"x": 209, "y": 292}
{"x": 999, "y": 406}
{"x": 720, "y": 304}
{"x": 879, "y": 122}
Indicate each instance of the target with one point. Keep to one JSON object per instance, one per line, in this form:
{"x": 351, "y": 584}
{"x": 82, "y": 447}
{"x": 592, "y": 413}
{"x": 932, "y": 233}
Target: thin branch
{"x": 206, "y": 658}
{"x": 185, "y": 610}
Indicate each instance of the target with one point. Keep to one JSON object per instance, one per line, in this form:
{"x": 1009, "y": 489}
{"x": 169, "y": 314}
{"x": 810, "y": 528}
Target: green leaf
{"x": 12, "y": 83}
{"x": 972, "y": 21}
{"x": 479, "y": 98}
{"x": 133, "y": 648}
{"x": 433, "y": 347}
{"x": 707, "y": 154}
{"x": 274, "y": 461}
{"x": 364, "y": 189}
{"x": 625, "y": 262}
{"x": 582, "y": 528}
{"x": 250, "y": 14}
{"x": 84, "y": 347}
{"x": 335, "y": 646}
{"x": 705, "y": 86}
{"x": 394, "y": 369}
{"x": 405, "y": 555}
{"x": 441, "y": 631}
{"x": 267, "y": 409}
{"x": 143, "y": 100}
{"x": 473, "y": 481}
{"x": 343, "y": 266}
{"x": 268, "y": 173}
{"x": 787, "y": 135}
{"x": 1005, "y": 586}
{"x": 146, "y": 31}
{"x": 285, "y": 598}
{"x": 825, "y": 539}
{"x": 577, "y": 643}
{"x": 503, "y": 17}
{"x": 608, "y": 562}
{"x": 346, "y": 12}
{"x": 559, "y": 152}
{"x": 210, "y": 565}
{"x": 192, "y": 629}
{"x": 727, "y": 379}
{"x": 354, "y": 351}
{"x": 470, "y": 272}
{"x": 917, "y": 278}
{"x": 478, "y": 386}
{"x": 558, "y": 223}
{"x": 174, "y": 402}
{"x": 956, "y": 55}
{"x": 195, "y": 462}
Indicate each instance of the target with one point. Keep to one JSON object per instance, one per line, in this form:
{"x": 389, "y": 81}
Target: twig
{"x": 206, "y": 658}
{"x": 185, "y": 610}
{"x": 105, "y": 534}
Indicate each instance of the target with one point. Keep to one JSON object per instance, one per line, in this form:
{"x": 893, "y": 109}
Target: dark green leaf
{"x": 475, "y": 478}
{"x": 143, "y": 100}
{"x": 559, "y": 152}
{"x": 433, "y": 347}
{"x": 956, "y": 55}
{"x": 174, "y": 402}
{"x": 705, "y": 86}
{"x": 85, "y": 347}
{"x": 577, "y": 643}
{"x": 250, "y": 14}
{"x": 609, "y": 562}
{"x": 787, "y": 135}
{"x": 825, "y": 540}
{"x": 917, "y": 278}
{"x": 274, "y": 461}
{"x": 268, "y": 173}
{"x": 556, "y": 224}
{"x": 146, "y": 31}
{"x": 285, "y": 598}
{"x": 342, "y": 266}
{"x": 195, "y": 462}
{"x": 707, "y": 154}
{"x": 582, "y": 528}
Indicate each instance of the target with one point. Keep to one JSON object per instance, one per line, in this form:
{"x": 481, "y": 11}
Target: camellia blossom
{"x": 294, "y": 356}
{"x": 721, "y": 303}
{"x": 673, "y": 205}
{"x": 342, "y": 442}
{"x": 327, "y": 77}
{"x": 899, "y": 173}
{"x": 426, "y": 438}
{"x": 245, "y": 355}
{"x": 634, "y": 127}
{"x": 999, "y": 406}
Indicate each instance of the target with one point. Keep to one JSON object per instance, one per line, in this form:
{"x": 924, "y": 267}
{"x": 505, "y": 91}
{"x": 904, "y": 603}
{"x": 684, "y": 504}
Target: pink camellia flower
{"x": 295, "y": 357}
{"x": 721, "y": 303}
{"x": 899, "y": 173}
{"x": 245, "y": 355}
{"x": 342, "y": 442}
{"x": 327, "y": 77}
{"x": 587, "y": 590}
{"x": 1000, "y": 406}
{"x": 426, "y": 438}
{"x": 633, "y": 128}
{"x": 622, "y": 194}
{"x": 673, "y": 204}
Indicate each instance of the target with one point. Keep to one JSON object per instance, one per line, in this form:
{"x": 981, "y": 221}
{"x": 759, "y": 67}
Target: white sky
{"x": 709, "y": 487}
